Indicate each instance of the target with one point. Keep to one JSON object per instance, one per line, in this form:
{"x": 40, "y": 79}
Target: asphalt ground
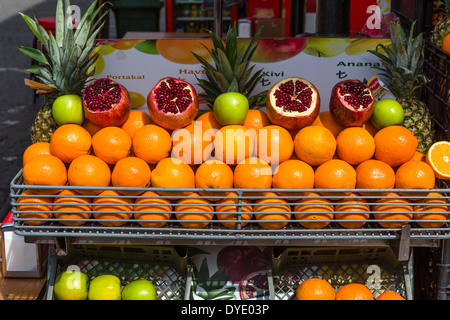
{"x": 18, "y": 104}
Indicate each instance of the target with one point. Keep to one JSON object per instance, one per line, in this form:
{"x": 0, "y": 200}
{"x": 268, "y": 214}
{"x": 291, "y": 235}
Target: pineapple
{"x": 442, "y": 28}
{"x": 63, "y": 62}
{"x": 232, "y": 71}
{"x": 405, "y": 77}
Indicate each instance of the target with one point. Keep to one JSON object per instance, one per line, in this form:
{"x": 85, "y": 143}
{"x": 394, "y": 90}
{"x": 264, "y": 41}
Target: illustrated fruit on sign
{"x": 135, "y": 121}
{"x": 180, "y": 50}
{"x": 89, "y": 171}
{"x": 151, "y": 206}
{"x": 395, "y": 145}
{"x": 325, "y": 119}
{"x": 314, "y": 145}
{"x": 111, "y": 144}
{"x": 105, "y": 287}
{"x": 110, "y": 206}
{"x": 253, "y": 173}
{"x": 98, "y": 67}
{"x": 315, "y": 289}
{"x": 172, "y": 103}
{"x": 275, "y": 50}
{"x": 387, "y": 112}
{"x": 355, "y": 145}
{"x": 140, "y": 289}
{"x": 353, "y": 208}
{"x": 293, "y": 174}
{"x": 214, "y": 174}
{"x": 233, "y": 144}
{"x": 46, "y": 170}
{"x": 35, "y": 203}
{"x": 131, "y": 172}
{"x": 69, "y": 206}
{"x": 227, "y": 211}
{"x": 137, "y": 100}
{"x": 393, "y": 211}
{"x": 256, "y": 119}
{"x": 374, "y": 174}
{"x": 191, "y": 145}
{"x": 68, "y": 109}
{"x": 438, "y": 157}
{"x": 152, "y": 143}
{"x": 316, "y": 208}
{"x": 325, "y": 47}
{"x": 335, "y": 174}
{"x": 429, "y": 209}
{"x": 354, "y": 291}
{"x": 293, "y": 103}
{"x": 272, "y": 211}
{"x": 35, "y": 150}
{"x": 71, "y": 285}
{"x": 414, "y": 175}
{"x": 351, "y": 103}
{"x": 70, "y": 141}
{"x": 147, "y": 46}
{"x": 194, "y": 207}
{"x": 125, "y": 44}
{"x": 231, "y": 108}
{"x": 173, "y": 173}
{"x": 274, "y": 144}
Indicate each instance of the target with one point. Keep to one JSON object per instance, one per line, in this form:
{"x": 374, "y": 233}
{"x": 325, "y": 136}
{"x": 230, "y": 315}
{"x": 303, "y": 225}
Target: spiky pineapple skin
{"x": 44, "y": 124}
{"x": 440, "y": 31}
{"x": 418, "y": 121}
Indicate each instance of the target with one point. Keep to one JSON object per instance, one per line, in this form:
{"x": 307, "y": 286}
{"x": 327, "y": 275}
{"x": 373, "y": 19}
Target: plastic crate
{"x": 164, "y": 266}
{"x": 136, "y": 15}
{"x": 409, "y": 11}
{"x": 375, "y": 267}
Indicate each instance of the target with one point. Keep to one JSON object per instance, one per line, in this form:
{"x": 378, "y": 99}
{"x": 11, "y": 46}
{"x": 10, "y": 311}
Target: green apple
{"x": 68, "y": 108}
{"x": 139, "y": 290}
{"x": 105, "y": 287}
{"x": 231, "y": 108}
{"x": 71, "y": 285}
{"x": 387, "y": 112}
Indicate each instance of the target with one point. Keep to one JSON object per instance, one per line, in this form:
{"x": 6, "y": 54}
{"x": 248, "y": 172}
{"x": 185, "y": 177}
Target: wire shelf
{"x": 254, "y": 204}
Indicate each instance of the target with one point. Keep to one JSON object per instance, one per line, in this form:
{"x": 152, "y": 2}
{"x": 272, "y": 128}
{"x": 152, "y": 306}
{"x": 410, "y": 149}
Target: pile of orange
{"x": 321, "y": 159}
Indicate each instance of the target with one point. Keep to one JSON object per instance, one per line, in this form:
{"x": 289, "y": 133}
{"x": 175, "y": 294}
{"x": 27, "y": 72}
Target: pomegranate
{"x": 106, "y": 103}
{"x": 172, "y": 103}
{"x": 293, "y": 103}
{"x": 254, "y": 285}
{"x": 352, "y": 103}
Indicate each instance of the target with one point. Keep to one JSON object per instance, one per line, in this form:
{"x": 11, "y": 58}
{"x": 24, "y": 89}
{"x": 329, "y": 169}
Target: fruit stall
{"x": 235, "y": 168}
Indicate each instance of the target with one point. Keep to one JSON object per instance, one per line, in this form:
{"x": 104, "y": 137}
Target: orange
{"x": 315, "y": 289}
{"x": 414, "y": 175}
{"x": 70, "y": 141}
{"x": 227, "y": 210}
{"x": 326, "y": 120}
{"x": 46, "y": 170}
{"x": 370, "y": 127}
{"x": 354, "y": 291}
{"x": 90, "y": 127}
{"x": 173, "y": 173}
{"x": 180, "y": 50}
{"x": 151, "y": 206}
{"x": 293, "y": 174}
{"x": 256, "y": 119}
{"x": 355, "y": 145}
{"x": 446, "y": 44}
{"x": 233, "y": 144}
{"x": 352, "y": 209}
{"x": 109, "y": 205}
{"x": 314, "y": 207}
{"x": 419, "y": 156}
{"x": 315, "y": 145}
{"x": 392, "y": 211}
{"x": 272, "y": 211}
{"x": 190, "y": 146}
{"x": 38, "y": 208}
{"x": 70, "y": 205}
{"x": 131, "y": 172}
{"x": 34, "y": 150}
{"x": 214, "y": 174}
{"x": 135, "y": 121}
{"x": 395, "y": 145}
{"x": 334, "y": 174}
{"x": 374, "y": 174}
{"x": 208, "y": 121}
{"x": 253, "y": 173}
{"x": 438, "y": 157}
{"x": 196, "y": 208}
{"x": 111, "y": 144}
{"x": 274, "y": 144}
{"x": 89, "y": 171}
{"x": 152, "y": 143}
{"x": 390, "y": 295}
{"x": 431, "y": 210}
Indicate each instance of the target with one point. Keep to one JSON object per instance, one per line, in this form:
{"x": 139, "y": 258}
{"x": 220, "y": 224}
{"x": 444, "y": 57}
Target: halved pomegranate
{"x": 352, "y": 103}
{"x": 106, "y": 103}
{"x": 293, "y": 103}
{"x": 172, "y": 103}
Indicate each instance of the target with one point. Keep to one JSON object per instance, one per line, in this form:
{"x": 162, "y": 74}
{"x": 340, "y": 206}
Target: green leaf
{"x": 82, "y": 24}
{"x": 33, "y": 26}
{"x": 34, "y": 54}
{"x": 226, "y": 67}
{"x": 60, "y": 24}
{"x": 221, "y": 81}
{"x": 35, "y": 69}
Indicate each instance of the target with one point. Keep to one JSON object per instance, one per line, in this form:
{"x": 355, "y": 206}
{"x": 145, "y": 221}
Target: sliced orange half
{"x": 438, "y": 157}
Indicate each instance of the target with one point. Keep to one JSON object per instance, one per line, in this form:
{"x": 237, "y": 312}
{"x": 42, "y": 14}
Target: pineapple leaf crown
{"x": 403, "y": 63}
{"x": 64, "y": 64}
{"x": 232, "y": 71}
